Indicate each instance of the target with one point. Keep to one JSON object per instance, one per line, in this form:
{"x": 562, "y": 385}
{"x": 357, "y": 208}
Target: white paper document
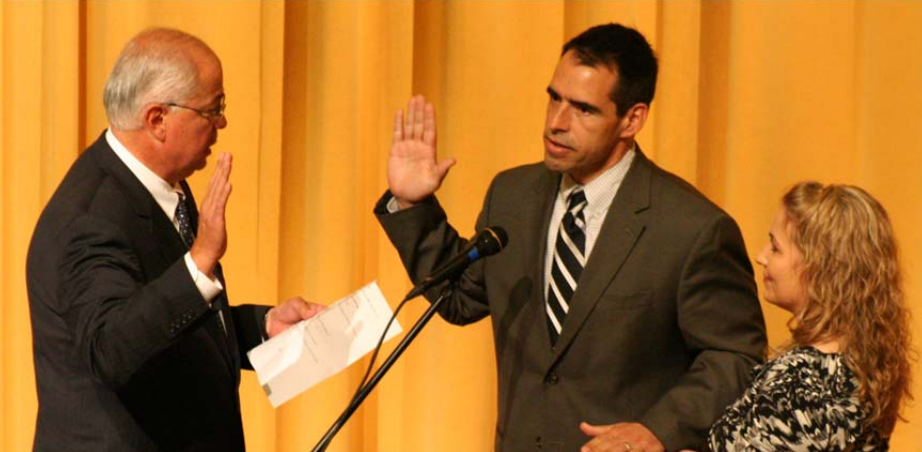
{"x": 318, "y": 348}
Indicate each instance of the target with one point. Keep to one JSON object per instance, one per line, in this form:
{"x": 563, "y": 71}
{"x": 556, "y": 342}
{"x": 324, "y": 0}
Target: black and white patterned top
{"x": 801, "y": 401}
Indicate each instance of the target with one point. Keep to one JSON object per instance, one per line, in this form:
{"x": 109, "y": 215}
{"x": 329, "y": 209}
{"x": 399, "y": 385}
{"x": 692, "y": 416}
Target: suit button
{"x": 538, "y": 442}
{"x": 551, "y": 379}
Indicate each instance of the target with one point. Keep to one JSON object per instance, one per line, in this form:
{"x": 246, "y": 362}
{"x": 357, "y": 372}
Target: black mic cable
{"x": 487, "y": 242}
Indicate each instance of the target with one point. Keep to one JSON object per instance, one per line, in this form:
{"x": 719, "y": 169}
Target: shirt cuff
{"x": 392, "y": 205}
{"x": 209, "y": 288}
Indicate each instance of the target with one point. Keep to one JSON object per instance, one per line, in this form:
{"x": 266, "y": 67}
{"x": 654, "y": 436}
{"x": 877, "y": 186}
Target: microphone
{"x": 487, "y": 242}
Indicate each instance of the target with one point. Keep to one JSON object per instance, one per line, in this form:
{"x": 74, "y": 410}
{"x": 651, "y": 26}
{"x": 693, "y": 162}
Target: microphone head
{"x": 491, "y": 240}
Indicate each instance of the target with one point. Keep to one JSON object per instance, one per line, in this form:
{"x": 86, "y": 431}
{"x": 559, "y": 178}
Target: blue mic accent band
{"x": 473, "y": 255}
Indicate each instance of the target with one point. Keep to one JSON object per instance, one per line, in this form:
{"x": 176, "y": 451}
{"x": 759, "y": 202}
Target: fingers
{"x": 219, "y": 185}
{"x": 598, "y": 443}
{"x": 419, "y": 119}
{"x": 419, "y": 122}
{"x": 429, "y": 125}
{"x": 410, "y": 118}
{"x": 292, "y": 311}
{"x": 214, "y": 205}
{"x": 445, "y": 165}
{"x": 621, "y": 437}
{"x": 221, "y": 180}
{"x": 313, "y": 309}
{"x": 211, "y": 237}
{"x": 306, "y": 309}
{"x": 297, "y": 309}
{"x": 592, "y": 430}
{"x": 398, "y": 127}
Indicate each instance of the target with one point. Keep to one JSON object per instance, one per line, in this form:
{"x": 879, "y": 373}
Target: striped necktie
{"x": 569, "y": 259}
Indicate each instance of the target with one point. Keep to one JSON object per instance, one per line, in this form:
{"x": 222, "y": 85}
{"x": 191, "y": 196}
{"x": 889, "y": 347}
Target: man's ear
{"x": 634, "y": 120}
{"x": 155, "y": 121}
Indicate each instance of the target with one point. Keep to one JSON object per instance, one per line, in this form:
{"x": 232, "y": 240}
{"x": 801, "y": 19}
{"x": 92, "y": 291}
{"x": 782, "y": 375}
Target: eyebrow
{"x": 586, "y": 106}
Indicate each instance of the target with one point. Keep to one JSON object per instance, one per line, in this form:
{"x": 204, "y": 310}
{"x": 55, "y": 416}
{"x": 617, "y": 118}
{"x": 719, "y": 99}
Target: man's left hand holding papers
{"x": 315, "y": 349}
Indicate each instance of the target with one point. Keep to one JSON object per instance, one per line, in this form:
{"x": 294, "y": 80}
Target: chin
{"x": 555, "y": 164}
{"x": 202, "y": 163}
{"x": 785, "y": 305}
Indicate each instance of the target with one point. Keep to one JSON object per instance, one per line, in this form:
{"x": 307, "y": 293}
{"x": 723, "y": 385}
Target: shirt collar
{"x": 163, "y": 192}
{"x": 600, "y": 191}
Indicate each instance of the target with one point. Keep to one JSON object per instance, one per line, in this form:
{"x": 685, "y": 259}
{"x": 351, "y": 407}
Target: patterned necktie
{"x": 569, "y": 259}
{"x": 188, "y": 236}
{"x": 185, "y": 223}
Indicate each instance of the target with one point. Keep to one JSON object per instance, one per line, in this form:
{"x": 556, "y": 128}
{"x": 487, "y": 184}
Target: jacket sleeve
{"x": 425, "y": 240}
{"x": 250, "y": 323}
{"x": 721, "y": 321}
{"x": 118, "y": 319}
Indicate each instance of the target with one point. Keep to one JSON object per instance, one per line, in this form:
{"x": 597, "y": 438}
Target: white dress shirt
{"x": 600, "y": 192}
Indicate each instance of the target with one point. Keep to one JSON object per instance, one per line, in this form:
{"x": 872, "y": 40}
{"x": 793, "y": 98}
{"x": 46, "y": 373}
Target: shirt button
{"x": 551, "y": 379}
{"x": 538, "y": 442}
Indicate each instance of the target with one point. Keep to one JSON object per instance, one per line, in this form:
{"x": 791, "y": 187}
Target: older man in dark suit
{"x": 136, "y": 347}
{"x": 624, "y": 309}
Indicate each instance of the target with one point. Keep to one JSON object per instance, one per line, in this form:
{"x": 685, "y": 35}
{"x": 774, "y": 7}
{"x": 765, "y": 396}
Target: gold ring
{"x": 627, "y": 447}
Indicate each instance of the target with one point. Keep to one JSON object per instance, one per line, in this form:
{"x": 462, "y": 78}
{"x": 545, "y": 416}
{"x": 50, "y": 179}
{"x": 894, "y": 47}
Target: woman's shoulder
{"x": 828, "y": 370}
{"x": 815, "y": 381}
{"x": 804, "y": 399}
{"x": 810, "y": 379}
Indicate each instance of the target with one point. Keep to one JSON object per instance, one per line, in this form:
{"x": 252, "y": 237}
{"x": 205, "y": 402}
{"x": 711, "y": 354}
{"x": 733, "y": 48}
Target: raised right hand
{"x": 412, "y": 170}
{"x": 211, "y": 236}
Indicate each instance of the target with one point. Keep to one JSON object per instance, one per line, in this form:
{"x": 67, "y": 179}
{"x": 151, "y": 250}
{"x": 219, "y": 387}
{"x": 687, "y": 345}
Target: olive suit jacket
{"x": 128, "y": 355}
{"x": 663, "y": 328}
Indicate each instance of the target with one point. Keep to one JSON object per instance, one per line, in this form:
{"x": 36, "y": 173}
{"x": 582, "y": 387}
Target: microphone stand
{"x": 376, "y": 377}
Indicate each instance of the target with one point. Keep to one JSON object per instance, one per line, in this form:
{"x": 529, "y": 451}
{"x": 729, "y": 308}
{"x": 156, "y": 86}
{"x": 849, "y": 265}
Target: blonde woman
{"x": 832, "y": 262}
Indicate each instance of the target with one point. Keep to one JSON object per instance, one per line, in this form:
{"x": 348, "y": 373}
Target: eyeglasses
{"x": 212, "y": 114}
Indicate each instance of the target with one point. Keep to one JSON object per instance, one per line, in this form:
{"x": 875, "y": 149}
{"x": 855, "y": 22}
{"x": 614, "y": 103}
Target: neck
{"x": 617, "y": 154}
{"x": 827, "y": 345}
{"x": 137, "y": 143}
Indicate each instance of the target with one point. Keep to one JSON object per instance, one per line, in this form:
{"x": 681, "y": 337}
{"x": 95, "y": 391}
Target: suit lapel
{"x": 166, "y": 242}
{"x": 141, "y": 200}
{"x": 539, "y": 213}
{"x": 620, "y": 231}
{"x": 546, "y": 191}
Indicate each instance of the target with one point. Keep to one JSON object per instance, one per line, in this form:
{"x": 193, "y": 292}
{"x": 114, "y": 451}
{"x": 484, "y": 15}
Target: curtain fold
{"x": 753, "y": 96}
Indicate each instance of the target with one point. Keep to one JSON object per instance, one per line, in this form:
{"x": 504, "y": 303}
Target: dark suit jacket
{"x": 663, "y": 329}
{"x": 128, "y": 355}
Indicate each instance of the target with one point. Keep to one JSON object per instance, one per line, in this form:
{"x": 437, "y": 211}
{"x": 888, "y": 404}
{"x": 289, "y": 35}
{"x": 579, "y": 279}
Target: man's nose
{"x": 559, "y": 118}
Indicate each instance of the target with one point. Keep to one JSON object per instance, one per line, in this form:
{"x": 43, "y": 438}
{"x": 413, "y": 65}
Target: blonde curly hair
{"x": 850, "y": 270}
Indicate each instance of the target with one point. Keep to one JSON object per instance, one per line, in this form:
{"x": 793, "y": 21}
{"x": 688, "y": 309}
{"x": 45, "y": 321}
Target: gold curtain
{"x": 753, "y": 96}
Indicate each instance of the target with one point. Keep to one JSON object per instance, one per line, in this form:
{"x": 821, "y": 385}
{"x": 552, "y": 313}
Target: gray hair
{"x": 157, "y": 65}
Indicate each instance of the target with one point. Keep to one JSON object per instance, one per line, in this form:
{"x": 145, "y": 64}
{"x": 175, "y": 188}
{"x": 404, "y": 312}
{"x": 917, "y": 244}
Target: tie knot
{"x": 576, "y": 201}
